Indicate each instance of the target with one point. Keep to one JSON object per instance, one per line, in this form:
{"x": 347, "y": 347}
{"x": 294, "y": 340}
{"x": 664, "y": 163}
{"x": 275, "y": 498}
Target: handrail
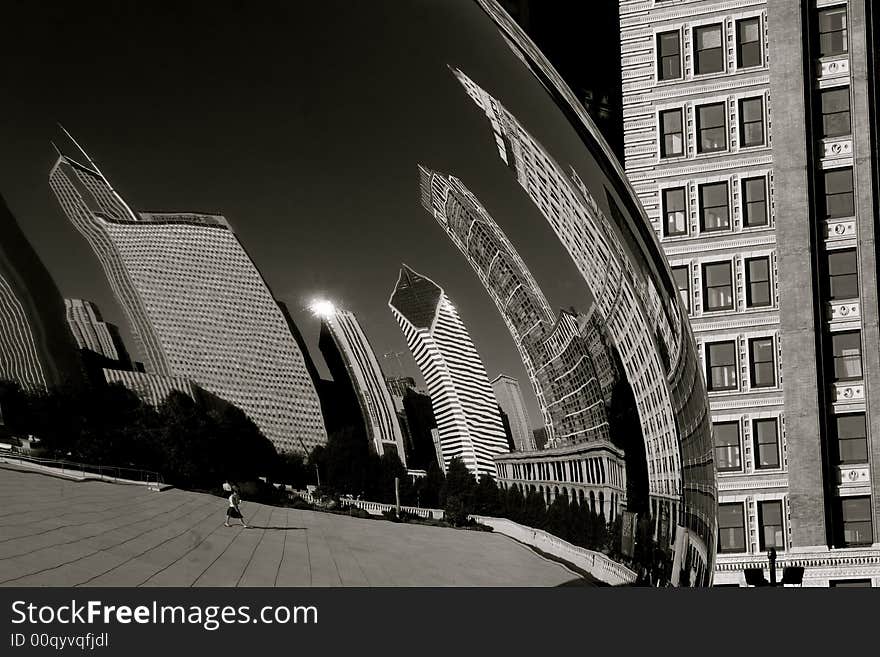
{"x": 146, "y": 476}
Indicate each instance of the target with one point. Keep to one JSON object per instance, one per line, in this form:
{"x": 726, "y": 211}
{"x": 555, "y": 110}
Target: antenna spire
{"x": 89, "y": 160}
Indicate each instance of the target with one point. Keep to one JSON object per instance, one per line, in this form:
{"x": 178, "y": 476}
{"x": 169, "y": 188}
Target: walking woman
{"x": 233, "y": 511}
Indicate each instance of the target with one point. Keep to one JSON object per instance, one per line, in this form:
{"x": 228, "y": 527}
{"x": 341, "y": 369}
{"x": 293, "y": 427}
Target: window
{"x": 711, "y": 135}
{"x": 672, "y": 143}
{"x": 835, "y": 112}
{"x": 852, "y": 439}
{"x": 668, "y": 55}
{"x": 839, "y": 193}
{"x": 727, "y": 449}
{"x": 682, "y": 276}
{"x": 748, "y": 43}
{"x": 731, "y": 528}
{"x": 850, "y": 583}
{"x": 770, "y": 520}
{"x": 714, "y": 210}
{"x": 709, "y": 51}
{"x": 718, "y": 286}
{"x": 843, "y": 274}
{"x": 721, "y": 363}
{"x": 758, "y": 282}
{"x": 832, "y": 31}
{"x": 751, "y": 122}
{"x": 766, "y": 435}
{"x": 855, "y": 515}
{"x": 754, "y": 194}
{"x": 674, "y": 212}
{"x": 761, "y": 362}
{"x": 847, "y": 350}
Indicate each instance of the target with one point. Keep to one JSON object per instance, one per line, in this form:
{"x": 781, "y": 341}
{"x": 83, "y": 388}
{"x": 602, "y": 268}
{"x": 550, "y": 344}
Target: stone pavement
{"x": 56, "y": 532}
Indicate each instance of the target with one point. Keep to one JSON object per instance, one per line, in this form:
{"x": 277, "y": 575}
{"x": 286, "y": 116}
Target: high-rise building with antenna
{"x": 197, "y": 305}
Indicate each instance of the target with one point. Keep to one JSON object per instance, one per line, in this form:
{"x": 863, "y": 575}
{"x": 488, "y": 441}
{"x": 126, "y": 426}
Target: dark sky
{"x": 302, "y": 122}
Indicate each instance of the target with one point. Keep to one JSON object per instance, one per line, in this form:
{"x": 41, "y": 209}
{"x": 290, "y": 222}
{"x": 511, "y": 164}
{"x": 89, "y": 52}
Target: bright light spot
{"x": 323, "y": 308}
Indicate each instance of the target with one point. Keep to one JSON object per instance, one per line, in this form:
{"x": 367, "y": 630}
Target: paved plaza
{"x": 57, "y": 532}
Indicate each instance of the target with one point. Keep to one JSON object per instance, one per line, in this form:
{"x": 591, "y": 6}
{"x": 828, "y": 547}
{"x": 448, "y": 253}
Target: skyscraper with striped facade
{"x": 197, "y": 305}
{"x": 355, "y": 360}
{"x": 465, "y": 407}
{"x": 36, "y": 348}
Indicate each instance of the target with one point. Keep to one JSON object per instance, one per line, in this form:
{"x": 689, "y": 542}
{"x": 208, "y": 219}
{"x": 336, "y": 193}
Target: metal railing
{"x": 115, "y": 473}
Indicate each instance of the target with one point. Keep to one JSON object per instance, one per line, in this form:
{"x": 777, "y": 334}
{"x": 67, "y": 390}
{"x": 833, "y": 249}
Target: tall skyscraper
{"x": 36, "y": 348}
{"x": 151, "y": 388}
{"x": 509, "y": 396}
{"x": 554, "y": 353}
{"x": 464, "y": 403}
{"x": 197, "y": 305}
{"x": 91, "y": 332}
{"x": 751, "y": 139}
{"x": 350, "y": 358}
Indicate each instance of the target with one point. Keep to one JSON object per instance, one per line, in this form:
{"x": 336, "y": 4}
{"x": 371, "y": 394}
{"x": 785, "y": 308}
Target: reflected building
{"x": 99, "y": 342}
{"x": 464, "y": 404}
{"x": 197, "y": 305}
{"x": 510, "y": 398}
{"x": 36, "y": 348}
{"x": 552, "y": 349}
{"x": 355, "y": 368}
{"x": 751, "y": 139}
{"x": 153, "y": 389}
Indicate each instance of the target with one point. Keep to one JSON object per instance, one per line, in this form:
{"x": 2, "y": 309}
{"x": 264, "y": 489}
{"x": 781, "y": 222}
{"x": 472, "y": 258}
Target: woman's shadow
{"x": 276, "y": 528}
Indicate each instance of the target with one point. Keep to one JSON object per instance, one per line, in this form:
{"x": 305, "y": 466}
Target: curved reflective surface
{"x": 426, "y": 248}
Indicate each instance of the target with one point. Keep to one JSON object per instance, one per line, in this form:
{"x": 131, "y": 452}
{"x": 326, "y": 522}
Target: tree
{"x": 459, "y": 492}
{"x": 486, "y": 500}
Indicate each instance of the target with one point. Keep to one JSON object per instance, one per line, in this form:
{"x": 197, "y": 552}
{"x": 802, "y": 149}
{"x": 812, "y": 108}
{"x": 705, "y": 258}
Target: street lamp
{"x": 790, "y": 574}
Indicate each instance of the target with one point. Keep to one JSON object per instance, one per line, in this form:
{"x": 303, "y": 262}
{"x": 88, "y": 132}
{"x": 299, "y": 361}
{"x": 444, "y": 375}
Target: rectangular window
{"x": 672, "y": 135}
{"x": 847, "y": 350}
{"x": 843, "y": 274}
{"x": 714, "y": 208}
{"x": 669, "y": 55}
{"x": 835, "y": 112}
{"x": 731, "y": 528}
{"x": 727, "y": 448}
{"x": 751, "y": 122}
{"x": 770, "y": 520}
{"x": 758, "y": 282}
{"x": 718, "y": 286}
{"x": 850, "y": 583}
{"x": 839, "y": 193}
{"x": 852, "y": 438}
{"x": 766, "y": 434}
{"x": 855, "y": 515}
{"x": 721, "y": 365}
{"x": 682, "y": 276}
{"x": 748, "y": 43}
{"x": 832, "y": 31}
{"x": 708, "y": 49}
{"x": 761, "y": 362}
{"x": 754, "y": 193}
{"x": 674, "y": 212}
{"x": 711, "y": 128}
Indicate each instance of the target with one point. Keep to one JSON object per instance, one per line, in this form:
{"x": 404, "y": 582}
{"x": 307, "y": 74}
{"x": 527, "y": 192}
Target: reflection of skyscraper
{"x": 36, "y": 349}
{"x": 197, "y": 305}
{"x": 591, "y": 240}
{"x": 350, "y": 357}
{"x": 552, "y": 349}
{"x": 465, "y": 407}
{"x": 91, "y": 332}
{"x": 510, "y": 398}
{"x": 151, "y": 388}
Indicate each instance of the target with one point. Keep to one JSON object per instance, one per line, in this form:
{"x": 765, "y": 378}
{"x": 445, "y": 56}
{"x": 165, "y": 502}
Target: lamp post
{"x": 790, "y": 574}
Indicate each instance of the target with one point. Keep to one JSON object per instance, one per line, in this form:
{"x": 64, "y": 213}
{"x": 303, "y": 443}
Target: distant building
{"x": 354, "y": 366}
{"x": 101, "y": 342}
{"x": 36, "y": 348}
{"x": 509, "y": 396}
{"x": 197, "y": 305}
{"x": 463, "y": 401}
{"x": 151, "y": 388}
{"x": 540, "y": 437}
{"x": 398, "y": 385}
